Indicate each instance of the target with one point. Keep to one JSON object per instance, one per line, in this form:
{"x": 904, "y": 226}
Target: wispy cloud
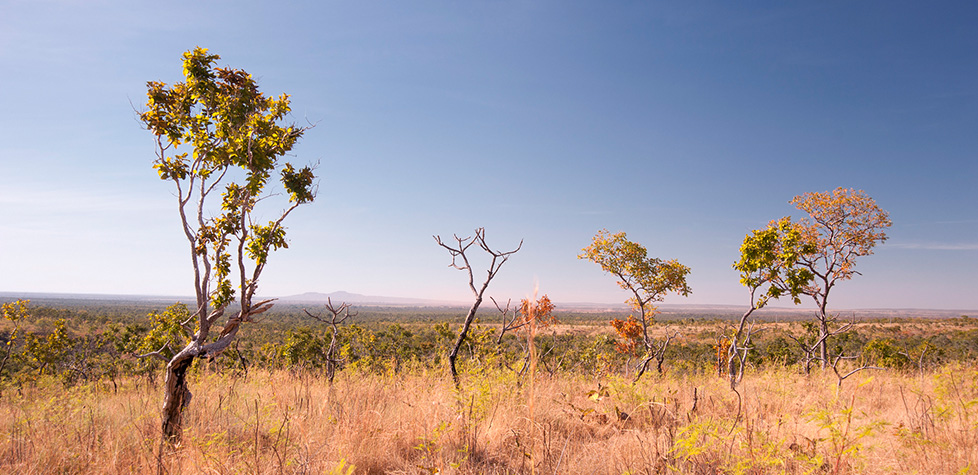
{"x": 936, "y": 246}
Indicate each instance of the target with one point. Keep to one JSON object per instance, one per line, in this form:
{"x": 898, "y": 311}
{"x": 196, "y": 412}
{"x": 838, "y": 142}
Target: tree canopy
{"x": 649, "y": 279}
{"x": 843, "y": 224}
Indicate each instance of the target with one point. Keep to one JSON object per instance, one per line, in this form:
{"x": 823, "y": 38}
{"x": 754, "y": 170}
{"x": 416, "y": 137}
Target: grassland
{"x": 418, "y": 422}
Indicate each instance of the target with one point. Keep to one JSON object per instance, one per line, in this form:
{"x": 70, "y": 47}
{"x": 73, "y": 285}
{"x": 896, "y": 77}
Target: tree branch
{"x": 157, "y": 354}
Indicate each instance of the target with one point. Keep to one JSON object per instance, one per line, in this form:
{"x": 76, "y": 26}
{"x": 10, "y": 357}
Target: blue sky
{"x": 684, "y": 124}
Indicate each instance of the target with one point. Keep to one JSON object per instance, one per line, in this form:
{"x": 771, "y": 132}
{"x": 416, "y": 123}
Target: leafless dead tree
{"x": 336, "y": 317}
{"x": 512, "y": 322}
{"x": 457, "y": 252}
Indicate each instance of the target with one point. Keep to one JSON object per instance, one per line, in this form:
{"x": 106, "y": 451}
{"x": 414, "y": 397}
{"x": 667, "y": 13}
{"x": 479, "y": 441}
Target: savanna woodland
{"x": 228, "y": 383}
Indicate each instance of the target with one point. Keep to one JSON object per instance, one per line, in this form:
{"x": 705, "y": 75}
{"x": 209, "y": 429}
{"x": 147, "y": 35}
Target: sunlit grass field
{"x": 416, "y": 421}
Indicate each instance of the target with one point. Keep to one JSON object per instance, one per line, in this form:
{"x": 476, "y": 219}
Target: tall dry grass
{"x": 278, "y": 422}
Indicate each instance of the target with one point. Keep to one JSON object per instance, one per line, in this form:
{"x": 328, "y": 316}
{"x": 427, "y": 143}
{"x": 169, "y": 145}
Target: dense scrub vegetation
{"x": 82, "y": 345}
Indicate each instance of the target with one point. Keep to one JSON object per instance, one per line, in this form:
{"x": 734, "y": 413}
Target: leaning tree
{"x": 460, "y": 261}
{"x": 769, "y": 269}
{"x": 219, "y": 140}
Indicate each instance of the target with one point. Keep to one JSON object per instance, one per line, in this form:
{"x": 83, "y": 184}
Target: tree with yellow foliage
{"x": 648, "y": 279}
{"x": 16, "y": 312}
{"x": 841, "y": 226}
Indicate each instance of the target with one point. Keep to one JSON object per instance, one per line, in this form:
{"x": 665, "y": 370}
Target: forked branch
{"x": 655, "y": 351}
{"x": 458, "y": 251}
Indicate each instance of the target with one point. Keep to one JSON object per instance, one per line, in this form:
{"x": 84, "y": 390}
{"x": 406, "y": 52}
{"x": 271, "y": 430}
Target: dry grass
{"x": 418, "y": 423}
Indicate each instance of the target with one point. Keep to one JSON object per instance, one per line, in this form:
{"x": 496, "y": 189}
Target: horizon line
{"x": 428, "y": 302}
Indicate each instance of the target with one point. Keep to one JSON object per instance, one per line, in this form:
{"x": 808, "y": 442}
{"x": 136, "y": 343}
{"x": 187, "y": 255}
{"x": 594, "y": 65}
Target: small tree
{"x": 768, "y": 258}
{"x": 458, "y": 251}
{"x": 235, "y": 139}
{"x": 16, "y": 312}
{"x": 337, "y": 315}
{"x": 539, "y": 314}
{"x": 649, "y": 279}
{"x": 47, "y": 353}
{"x": 841, "y": 226}
{"x": 527, "y": 319}
{"x": 167, "y": 335}
{"x": 631, "y": 342}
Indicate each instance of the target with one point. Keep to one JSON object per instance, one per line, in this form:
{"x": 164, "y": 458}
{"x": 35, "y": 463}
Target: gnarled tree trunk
{"x": 176, "y": 395}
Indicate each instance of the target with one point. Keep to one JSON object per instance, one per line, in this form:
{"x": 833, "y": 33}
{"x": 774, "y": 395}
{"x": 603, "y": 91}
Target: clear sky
{"x": 684, "y": 124}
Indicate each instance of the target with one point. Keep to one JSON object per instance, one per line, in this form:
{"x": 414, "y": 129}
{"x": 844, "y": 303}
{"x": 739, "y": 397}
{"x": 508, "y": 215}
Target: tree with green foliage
{"x": 769, "y": 268}
{"x": 15, "y": 312}
{"x": 47, "y": 353}
{"x": 219, "y": 140}
{"x": 167, "y": 335}
{"x": 886, "y": 353}
{"x": 649, "y": 279}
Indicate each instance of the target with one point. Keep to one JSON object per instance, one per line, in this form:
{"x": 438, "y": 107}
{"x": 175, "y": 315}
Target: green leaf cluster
{"x": 770, "y": 256}
{"x": 166, "y": 331}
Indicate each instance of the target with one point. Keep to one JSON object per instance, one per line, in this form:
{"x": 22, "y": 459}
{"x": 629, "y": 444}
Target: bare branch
{"x": 509, "y": 323}
{"x": 656, "y": 352}
{"x": 260, "y": 307}
{"x": 217, "y": 313}
{"x": 335, "y": 312}
{"x": 841, "y": 377}
{"x": 344, "y": 308}
{"x": 157, "y": 354}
